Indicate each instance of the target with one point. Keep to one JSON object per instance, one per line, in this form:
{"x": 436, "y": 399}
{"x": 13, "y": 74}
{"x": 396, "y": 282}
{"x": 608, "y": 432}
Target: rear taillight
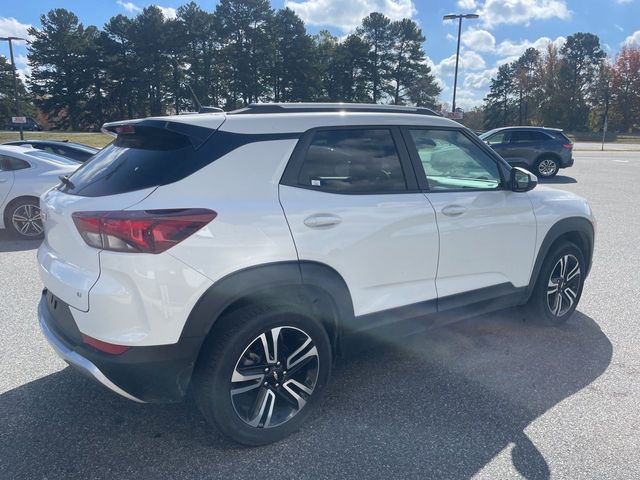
{"x": 140, "y": 231}
{"x": 568, "y": 146}
{"x": 110, "y": 348}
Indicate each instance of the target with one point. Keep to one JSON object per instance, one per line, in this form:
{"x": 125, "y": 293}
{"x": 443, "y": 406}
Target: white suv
{"x": 240, "y": 254}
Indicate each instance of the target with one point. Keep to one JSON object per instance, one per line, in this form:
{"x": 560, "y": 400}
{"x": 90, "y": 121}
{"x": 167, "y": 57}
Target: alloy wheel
{"x": 274, "y": 377}
{"x": 27, "y": 221}
{"x": 547, "y": 167}
{"x": 564, "y": 285}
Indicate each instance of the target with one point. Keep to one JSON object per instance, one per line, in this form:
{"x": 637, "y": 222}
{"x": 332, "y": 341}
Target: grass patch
{"x": 97, "y": 140}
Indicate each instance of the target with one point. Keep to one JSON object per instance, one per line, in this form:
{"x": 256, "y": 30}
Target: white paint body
{"x": 392, "y": 250}
{"x": 41, "y": 175}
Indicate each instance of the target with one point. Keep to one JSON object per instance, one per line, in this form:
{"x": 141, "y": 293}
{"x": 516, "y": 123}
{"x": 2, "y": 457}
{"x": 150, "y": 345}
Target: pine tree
{"x": 376, "y": 32}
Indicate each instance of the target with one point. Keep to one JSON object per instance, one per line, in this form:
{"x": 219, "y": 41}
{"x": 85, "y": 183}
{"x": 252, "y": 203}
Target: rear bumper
{"x": 142, "y": 374}
{"x": 566, "y": 163}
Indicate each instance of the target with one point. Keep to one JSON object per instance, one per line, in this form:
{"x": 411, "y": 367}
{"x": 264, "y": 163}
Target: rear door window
{"x": 353, "y": 161}
{"x": 9, "y": 164}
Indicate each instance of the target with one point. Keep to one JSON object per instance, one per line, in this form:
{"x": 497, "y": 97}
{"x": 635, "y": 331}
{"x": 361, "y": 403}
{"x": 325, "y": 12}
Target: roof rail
{"x": 330, "y": 107}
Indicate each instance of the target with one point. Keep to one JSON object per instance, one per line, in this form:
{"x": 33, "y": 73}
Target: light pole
{"x": 459, "y": 16}
{"x": 15, "y": 80}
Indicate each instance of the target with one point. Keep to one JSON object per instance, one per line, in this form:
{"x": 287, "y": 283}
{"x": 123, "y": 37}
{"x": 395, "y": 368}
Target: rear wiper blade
{"x": 65, "y": 179}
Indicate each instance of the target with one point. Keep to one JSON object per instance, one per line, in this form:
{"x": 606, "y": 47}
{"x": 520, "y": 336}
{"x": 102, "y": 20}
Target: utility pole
{"x": 459, "y": 16}
{"x": 15, "y": 78}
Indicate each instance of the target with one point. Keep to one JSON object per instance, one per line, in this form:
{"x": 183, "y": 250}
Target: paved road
{"x": 490, "y": 397}
{"x": 608, "y": 147}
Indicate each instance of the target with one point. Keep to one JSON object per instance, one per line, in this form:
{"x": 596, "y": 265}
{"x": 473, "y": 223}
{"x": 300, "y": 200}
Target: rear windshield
{"x": 53, "y": 158}
{"x": 134, "y": 161}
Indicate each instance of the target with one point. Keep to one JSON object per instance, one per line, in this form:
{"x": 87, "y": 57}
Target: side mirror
{"x": 522, "y": 180}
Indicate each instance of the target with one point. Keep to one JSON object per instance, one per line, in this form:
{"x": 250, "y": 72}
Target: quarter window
{"x": 528, "y": 136}
{"x": 353, "y": 160}
{"x": 11, "y": 163}
{"x": 451, "y": 161}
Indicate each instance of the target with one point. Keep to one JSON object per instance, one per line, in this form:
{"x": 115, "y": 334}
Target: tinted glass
{"x": 147, "y": 158}
{"x": 451, "y": 161}
{"x": 497, "y": 139}
{"x": 10, "y": 163}
{"x": 528, "y": 136}
{"x": 358, "y": 160}
{"x": 52, "y": 158}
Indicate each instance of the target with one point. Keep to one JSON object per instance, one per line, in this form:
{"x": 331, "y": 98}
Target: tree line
{"x": 242, "y": 52}
{"x": 574, "y": 87}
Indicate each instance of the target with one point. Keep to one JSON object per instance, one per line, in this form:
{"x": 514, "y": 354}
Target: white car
{"x": 25, "y": 174}
{"x": 241, "y": 254}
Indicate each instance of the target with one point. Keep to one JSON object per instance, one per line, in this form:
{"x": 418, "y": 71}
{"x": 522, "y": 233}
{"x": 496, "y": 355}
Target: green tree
{"x": 625, "y": 88}
{"x": 346, "y": 75}
{"x": 58, "y": 56}
{"x": 527, "y": 82}
{"x": 7, "y": 98}
{"x": 411, "y": 76}
{"x": 246, "y": 48}
{"x": 293, "y": 73}
{"x": 499, "y": 102}
{"x": 582, "y": 59}
{"x": 377, "y": 33}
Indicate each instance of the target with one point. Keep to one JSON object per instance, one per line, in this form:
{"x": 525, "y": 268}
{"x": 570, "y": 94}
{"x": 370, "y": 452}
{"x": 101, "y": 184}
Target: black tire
{"x": 237, "y": 340}
{"x": 29, "y": 229}
{"x": 547, "y": 167}
{"x": 546, "y": 306}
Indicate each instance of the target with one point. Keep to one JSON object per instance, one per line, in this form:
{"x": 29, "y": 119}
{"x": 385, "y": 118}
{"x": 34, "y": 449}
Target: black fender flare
{"x": 580, "y": 226}
{"x": 290, "y": 281}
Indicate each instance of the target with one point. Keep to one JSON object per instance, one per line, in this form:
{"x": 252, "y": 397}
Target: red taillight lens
{"x": 141, "y": 231}
{"x": 110, "y": 348}
{"x": 568, "y": 146}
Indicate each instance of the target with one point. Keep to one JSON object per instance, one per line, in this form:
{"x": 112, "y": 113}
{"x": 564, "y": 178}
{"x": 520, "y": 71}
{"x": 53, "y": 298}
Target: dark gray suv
{"x": 541, "y": 150}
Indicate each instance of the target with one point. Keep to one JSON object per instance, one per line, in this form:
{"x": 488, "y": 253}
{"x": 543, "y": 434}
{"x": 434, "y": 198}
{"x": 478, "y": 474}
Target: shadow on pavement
{"x": 440, "y": 405}
{"x": 10, "y": 244}
{"x": 558, "y": 179}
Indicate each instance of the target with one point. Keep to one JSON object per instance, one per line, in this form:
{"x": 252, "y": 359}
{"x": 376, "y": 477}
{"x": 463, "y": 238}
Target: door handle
{"x": 322, "y": 220}
{"x": 453, "y": 210}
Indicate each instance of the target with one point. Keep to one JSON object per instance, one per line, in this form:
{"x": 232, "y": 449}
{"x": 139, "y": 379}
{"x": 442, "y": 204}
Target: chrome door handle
{"x": 322, "y": 220}
{"x": 453, "y": 210}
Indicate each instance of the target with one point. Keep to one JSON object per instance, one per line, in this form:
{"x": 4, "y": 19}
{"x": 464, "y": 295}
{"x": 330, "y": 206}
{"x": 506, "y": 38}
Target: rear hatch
{"x": 144, "y": 155}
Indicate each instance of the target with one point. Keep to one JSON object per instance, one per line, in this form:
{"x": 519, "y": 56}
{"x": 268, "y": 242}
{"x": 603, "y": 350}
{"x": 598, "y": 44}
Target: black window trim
{"x": 530, "y": 130}
{"x": 294, "y": 166}
{"x": 2, "y": 160}
{"x": 504, "y": 168}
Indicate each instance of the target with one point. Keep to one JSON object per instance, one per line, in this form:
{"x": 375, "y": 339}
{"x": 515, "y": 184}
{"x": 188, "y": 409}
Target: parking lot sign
{"x": 19, "y": 120}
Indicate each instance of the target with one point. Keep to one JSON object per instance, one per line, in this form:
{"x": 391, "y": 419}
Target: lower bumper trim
{"x": 78, "y": 361}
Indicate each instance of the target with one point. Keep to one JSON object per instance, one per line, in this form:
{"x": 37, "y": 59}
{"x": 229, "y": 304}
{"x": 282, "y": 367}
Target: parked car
{"x": 25, "y": 174}
{"x": 240, "y": 254}
{"x": 31, "y": 126}
{"x": 75, "y": 151}
{"x": 541, "y": 150}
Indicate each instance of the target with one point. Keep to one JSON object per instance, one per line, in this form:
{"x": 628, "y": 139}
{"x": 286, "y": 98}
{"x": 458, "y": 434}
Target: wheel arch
{"x": 578, "y": 230}
{"x": 313, "y": 286}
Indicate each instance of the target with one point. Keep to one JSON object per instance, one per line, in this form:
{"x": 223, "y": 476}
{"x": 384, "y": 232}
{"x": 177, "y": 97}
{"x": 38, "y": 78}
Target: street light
{"x": 15, "y": 80}
{"x": 459, "y": 16}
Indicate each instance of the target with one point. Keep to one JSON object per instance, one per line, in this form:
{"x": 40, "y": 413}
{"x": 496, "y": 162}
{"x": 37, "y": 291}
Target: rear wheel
{"x": 262, "y": 372}
{"x": 23, "y": 219}
{"x": 559, "y": 286}
{"x": 547, "y": 167}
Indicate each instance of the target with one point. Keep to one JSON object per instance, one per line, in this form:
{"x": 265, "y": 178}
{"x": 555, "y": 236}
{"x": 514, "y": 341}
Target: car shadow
{"x": 11, "y": 244}
{"x": 558, "y": 179}
{"x": 441, "y": 404}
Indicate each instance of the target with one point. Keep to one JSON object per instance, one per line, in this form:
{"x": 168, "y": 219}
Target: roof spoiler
{"x": 197, "y": 135}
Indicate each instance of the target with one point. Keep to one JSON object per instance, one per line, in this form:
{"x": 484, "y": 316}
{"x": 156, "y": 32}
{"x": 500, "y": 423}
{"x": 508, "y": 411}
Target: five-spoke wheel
{"x": 261, "y": 371}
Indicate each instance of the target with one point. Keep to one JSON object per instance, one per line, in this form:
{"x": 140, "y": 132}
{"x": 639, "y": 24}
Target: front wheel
{"x": 547, "y": 167}
{"x": 559, "y": 285}
{"x": 261, "y": 373}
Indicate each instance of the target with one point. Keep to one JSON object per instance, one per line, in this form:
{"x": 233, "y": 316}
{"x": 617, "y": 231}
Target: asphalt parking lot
{"x": 490, "y": 397}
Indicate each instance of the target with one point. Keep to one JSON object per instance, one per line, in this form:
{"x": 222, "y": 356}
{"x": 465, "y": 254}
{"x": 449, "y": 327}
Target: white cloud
{"x": 168, "y": 12}
{"x": 510, "y": 49}
{"x": 479, "y": 40}
{"x": 619, "y": 27}
{"x": 129, "y": 6}
{"x": 468, "y": 61}
{"x": 348, "y": 15}
{"x": 495, "y": 12}
{"x": 21, "y": 60}
{"x": 634, "y": 38}
{"x": 467, "y": 4}
{"x": 10, "y": 27}
{"x": 621, "y": 2}
{"x": 479, "y": 80}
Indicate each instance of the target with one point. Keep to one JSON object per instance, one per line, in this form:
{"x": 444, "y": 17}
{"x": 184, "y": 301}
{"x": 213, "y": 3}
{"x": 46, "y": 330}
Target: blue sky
{"x": 504, "y": 30}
